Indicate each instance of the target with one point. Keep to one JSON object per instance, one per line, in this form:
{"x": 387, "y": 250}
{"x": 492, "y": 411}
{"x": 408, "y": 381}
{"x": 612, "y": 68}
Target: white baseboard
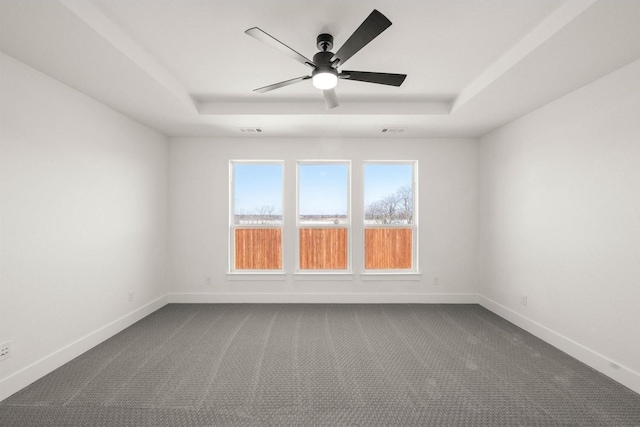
{"x": 27, "y": 375}
{"x": 610, "y": 368}
{"x": 323, "y": 298}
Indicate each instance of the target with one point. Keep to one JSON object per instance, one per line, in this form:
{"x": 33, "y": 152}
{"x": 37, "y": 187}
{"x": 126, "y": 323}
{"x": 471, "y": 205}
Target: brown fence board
{"x": 323, "y": 248}
{"x": 258, "y": 248}
{"x": 387, "y": 248}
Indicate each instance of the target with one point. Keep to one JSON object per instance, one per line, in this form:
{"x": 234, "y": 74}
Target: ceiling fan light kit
{"x": 324, "y": 80}
{"x": 325, "y": 63}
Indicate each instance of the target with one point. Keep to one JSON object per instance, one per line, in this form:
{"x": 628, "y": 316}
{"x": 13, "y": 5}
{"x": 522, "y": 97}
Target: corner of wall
{"x": 27, "y": 375}
{"x": 608, "y": 367}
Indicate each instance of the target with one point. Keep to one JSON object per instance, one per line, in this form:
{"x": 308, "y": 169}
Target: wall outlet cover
{"x": 5, "y": 350}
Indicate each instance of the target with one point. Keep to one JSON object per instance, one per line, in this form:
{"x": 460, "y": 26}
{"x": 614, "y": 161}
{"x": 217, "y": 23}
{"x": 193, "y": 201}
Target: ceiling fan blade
{"x": 375, "y": 24}
{"x": 281, "y": 84}
{"x": 258, "y": 34}
{"x": 380, "y": 78}
{"x": 330, "y": 98}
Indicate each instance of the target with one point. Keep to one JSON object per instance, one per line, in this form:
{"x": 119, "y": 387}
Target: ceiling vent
{"x": 251, "y": 130}
{"x": 393, "y": 130}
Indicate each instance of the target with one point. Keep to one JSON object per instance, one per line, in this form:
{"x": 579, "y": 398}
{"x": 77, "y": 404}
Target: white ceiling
{"x": 185, "y": 67}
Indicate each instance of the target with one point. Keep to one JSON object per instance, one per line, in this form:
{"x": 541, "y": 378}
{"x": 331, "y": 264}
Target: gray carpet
{"x": 339, "y": 365}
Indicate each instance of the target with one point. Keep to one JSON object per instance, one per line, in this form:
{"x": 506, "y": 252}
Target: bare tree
{"x": 264, "y": 214}
{"x": 390, "y": 206}
{"x": 396, "y": 208}
{"x": 405, "y": 199}
{"x": 375, "y": 212}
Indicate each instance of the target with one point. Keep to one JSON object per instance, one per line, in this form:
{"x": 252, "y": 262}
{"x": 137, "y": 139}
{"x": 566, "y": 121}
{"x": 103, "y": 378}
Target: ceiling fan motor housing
{"x": 323, "y": 67}
{"x": 323, "y": 60}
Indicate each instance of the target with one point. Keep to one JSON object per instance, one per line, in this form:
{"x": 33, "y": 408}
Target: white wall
{"x": 84, "y": 202}
{"x": 560, "y": 223}
{"x": 199, "y": 218}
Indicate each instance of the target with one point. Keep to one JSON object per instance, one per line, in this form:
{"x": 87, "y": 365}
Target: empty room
{"x": 319, "y": 213}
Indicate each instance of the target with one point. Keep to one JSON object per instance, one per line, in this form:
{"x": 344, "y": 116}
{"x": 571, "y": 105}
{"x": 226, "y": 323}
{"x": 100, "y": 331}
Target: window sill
{"x": 395, "y": 276}
{"x": 323, "y": 276}
{"x": 259, "y": 275}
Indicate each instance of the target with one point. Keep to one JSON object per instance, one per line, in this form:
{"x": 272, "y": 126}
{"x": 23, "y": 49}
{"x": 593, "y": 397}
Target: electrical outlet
{"x": 436, "y": 281}
{"x": 131, "y": 296}
{"x": 524, "y": 300}
{"x": 5, "y": 350}
{"x": 209, "y": 280}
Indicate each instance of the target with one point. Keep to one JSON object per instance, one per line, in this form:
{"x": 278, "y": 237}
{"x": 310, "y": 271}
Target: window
{"x": 256, "y": 216}
{"x": 390, "y": 218}
{"x": 323, "y": 216}
{"x": 322, "y": 231}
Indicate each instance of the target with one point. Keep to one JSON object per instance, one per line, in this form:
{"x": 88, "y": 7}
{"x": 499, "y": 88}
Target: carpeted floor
{"x": 339, "y": 365}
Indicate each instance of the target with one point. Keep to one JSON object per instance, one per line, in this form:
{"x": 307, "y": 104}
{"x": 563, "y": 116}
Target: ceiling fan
{"x": 325, "y": 63}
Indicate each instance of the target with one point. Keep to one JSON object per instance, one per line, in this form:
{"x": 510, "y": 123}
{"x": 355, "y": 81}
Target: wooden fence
{"x": 258, "y": 248}
{"x": 323, "y": 248}
{"x": 387, "y": 248}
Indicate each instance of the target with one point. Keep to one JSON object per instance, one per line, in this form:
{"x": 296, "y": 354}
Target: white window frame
{"x": 267, "y": 274}
{"x": 345, "y": 274}
{"x": 386, "y": 273}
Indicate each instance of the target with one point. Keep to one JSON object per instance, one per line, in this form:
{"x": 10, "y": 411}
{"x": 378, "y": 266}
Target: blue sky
{"x": 323, "y": 187}
{"x": 381, "y": 180}
{"x": 257, "y": 185}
